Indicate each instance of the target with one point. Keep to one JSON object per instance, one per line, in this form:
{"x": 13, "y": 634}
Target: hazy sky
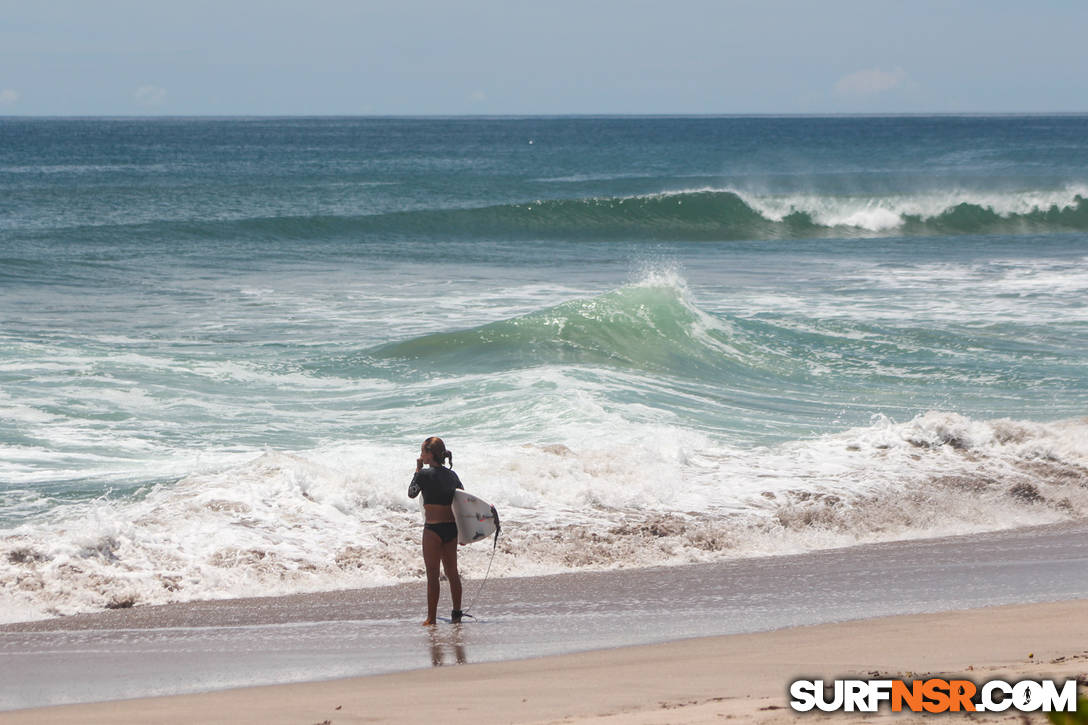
{"x": 319, "y": 57}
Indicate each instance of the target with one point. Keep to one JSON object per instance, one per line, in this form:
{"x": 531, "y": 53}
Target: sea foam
{"x": 339, "y": 517}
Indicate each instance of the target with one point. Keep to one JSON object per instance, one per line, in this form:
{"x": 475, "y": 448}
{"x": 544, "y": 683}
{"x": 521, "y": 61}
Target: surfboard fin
{"x": 498, "y": 527}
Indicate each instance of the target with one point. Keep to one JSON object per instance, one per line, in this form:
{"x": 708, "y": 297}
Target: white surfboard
{"x": 476, "y": 519}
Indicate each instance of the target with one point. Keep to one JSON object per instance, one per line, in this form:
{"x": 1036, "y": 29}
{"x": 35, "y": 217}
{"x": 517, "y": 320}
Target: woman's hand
{"x": 419, "y": 464}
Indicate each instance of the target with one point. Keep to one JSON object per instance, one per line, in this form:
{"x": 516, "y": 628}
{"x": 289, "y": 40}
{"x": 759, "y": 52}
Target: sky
{"x": 454, "y": 57}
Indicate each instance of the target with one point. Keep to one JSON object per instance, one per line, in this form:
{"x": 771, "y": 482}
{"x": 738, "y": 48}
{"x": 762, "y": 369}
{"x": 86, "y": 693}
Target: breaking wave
{"x": 651, "y": 326}
{"x": 339, "y": 517}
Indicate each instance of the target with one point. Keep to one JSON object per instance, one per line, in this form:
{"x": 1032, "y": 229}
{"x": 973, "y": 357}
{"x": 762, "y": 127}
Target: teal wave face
{"x": 649, "y": 327}
{"x": 690, "y": 215}
{"x": 969, "y": 218}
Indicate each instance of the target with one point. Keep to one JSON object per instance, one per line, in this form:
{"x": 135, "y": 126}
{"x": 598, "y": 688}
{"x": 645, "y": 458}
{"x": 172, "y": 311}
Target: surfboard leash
{"x": 490, "y": 561}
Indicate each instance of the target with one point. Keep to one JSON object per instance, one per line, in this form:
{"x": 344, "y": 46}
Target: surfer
{"x": 437, "y": 484}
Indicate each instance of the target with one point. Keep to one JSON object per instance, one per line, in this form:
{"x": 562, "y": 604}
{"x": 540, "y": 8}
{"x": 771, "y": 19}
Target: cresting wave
{"x": 339, "y": 517}
{"x": 726, "y": 214}
{"x": 651, "y": 326}
{"x": 692, "y": 215}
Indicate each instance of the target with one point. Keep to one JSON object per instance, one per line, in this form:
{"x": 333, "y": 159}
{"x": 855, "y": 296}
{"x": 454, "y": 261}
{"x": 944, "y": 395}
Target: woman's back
{"x": 437, "y": 485}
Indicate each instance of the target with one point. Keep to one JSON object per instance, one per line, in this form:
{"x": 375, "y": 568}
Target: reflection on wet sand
{"x": 447, "y": 641}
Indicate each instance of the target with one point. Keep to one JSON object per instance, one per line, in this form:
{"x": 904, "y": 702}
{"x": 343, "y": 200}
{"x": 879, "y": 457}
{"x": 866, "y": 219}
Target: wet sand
{"x": 198, "y": 647}
{"x": 699, "y": 680}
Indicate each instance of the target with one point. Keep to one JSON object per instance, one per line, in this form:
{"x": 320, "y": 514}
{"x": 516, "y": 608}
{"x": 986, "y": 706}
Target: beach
{"x": 735, "y": 677}
{"x": 761, "y": 328}
{"x": 576, "y": 645}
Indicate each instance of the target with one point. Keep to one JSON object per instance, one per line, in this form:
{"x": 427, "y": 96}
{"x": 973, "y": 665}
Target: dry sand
{"x": 742, "y": 677}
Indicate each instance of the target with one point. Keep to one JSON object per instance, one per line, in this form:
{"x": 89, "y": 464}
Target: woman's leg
{"x": 432, "y": 555}
{"x": 449, "y": 563}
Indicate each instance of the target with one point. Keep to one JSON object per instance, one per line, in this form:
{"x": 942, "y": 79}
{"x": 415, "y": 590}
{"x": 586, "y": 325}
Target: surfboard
{"x": 476, "y": 519}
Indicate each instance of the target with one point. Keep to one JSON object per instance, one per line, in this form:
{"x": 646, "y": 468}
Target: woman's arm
{"x": 416, "y": 485}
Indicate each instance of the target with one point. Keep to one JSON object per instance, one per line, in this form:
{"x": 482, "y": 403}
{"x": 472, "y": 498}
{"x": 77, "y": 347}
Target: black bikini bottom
{"x": 446, "y": 531}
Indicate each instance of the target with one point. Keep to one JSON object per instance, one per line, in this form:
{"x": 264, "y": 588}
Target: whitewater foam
{"x": 890, "y": 212}
{"x": 339, "y": 517}
{"x": 878, "y": 214}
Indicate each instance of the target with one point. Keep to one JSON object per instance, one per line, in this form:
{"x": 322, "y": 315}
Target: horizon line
{"x": 511, "y": 116}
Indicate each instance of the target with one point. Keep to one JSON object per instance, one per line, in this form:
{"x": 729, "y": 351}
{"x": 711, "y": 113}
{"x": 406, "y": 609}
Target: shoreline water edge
{"x": 202, "y": 646}
{"x": 699, "y": 680}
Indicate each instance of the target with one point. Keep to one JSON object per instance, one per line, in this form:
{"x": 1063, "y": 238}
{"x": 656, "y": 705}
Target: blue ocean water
{"x": 648, "y": 340}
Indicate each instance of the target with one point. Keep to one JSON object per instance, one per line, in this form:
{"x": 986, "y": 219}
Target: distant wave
{"x": 709, "y": 214}
{"x": 695, "y": 215}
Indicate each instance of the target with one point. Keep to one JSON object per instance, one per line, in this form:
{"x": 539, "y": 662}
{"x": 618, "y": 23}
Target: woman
{"x": 437, "y": 485}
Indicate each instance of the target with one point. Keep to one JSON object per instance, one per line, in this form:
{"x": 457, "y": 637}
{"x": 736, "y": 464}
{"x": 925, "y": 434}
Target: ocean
{"x": 649, "y": 341}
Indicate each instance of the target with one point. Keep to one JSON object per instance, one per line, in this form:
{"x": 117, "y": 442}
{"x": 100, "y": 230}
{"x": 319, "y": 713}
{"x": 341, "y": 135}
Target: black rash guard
{"x": 437, "y": 485}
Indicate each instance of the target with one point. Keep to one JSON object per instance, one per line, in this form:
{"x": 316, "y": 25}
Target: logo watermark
{"x": 933, "y": 695}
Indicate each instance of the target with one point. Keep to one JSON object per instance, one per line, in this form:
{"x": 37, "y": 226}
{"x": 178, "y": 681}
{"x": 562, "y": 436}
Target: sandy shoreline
{"x": 693, "y": 681}
{"x": 671, "y": 644}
